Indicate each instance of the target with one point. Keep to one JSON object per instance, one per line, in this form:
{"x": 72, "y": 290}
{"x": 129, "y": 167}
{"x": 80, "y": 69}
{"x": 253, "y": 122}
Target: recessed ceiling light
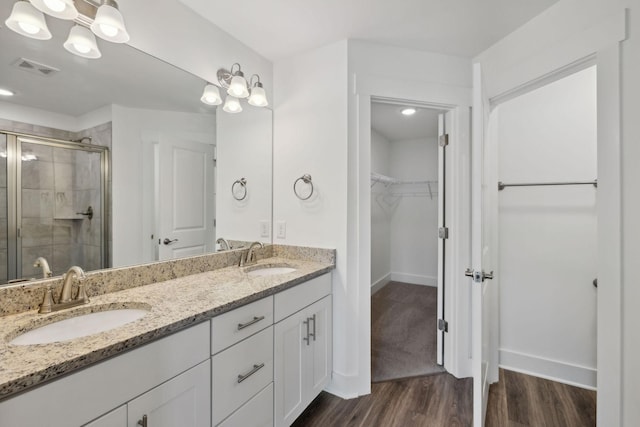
{"x": 408, "y": 111}
{"x": 5, "y": 92}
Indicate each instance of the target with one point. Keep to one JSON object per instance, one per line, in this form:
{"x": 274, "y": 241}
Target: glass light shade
{"x": 258, "y": 97}
{"x": 28, "y": 21}
{"x": 6, "y": 92}
{"x": 238, "y": 87}
{"x": 63, "y": 9}
{"x": 82, "y": 42}
{"x": 109, "y": 25}
{"x": 211, "y": 95}
{"x": 232, "y": 105}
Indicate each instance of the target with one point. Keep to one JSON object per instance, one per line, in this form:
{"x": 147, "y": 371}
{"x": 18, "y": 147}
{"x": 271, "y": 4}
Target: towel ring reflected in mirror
{"x": 241, "y": 192}
{"x": 306, "y": 178}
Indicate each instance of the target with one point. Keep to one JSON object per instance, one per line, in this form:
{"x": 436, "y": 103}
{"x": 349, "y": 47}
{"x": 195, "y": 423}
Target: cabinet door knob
{"x": 143, "y": 421}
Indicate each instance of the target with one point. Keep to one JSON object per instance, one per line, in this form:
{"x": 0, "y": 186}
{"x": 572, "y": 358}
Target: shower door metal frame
{"x": 14, "y": 193}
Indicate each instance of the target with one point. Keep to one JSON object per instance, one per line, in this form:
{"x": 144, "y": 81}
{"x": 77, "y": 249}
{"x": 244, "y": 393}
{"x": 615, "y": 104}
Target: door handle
{"x": 478, "y": 276}
{"x": 168, "y": 241}
{"x": 143, "y": 421}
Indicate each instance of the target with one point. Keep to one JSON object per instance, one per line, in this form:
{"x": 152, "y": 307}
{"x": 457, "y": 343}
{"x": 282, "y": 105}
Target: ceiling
{"x": 123, "y": 76}
{"x": 387, "y": 120}
{"x": 279, "y": 29}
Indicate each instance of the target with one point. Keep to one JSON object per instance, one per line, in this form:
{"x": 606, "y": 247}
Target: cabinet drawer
{"x": 257, "y": 412}
{"x": 240, "y": 372}
{"x": 236, "y": 325}
{"x": 294, "y": 299}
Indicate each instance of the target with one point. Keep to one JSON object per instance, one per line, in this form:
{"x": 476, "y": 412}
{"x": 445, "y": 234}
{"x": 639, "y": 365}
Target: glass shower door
{"x": 60, "y": 206}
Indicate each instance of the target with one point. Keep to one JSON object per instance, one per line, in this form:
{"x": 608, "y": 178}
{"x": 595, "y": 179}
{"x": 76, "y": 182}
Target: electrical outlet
{"x": 264, "y": 228}
{"x": 282, "y": 229}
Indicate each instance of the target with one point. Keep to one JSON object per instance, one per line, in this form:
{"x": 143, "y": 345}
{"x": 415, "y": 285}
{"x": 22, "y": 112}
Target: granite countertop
{"x": 173, "y": 305}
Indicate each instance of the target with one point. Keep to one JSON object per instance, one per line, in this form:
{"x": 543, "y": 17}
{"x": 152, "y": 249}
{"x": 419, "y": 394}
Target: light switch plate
{"x": 264, "y": 228}
{"x": 282, "y": 229}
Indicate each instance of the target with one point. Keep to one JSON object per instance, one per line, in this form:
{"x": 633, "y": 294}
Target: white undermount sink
{"x": 79, "y": 326}
{"x": 270, "y": 270}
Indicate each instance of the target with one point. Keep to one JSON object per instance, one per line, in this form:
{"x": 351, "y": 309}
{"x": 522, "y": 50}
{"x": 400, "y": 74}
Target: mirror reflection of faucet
{"x": 88, "y": 213}
{"x": 42, "y": 263}
{"x": 224, "y": 245}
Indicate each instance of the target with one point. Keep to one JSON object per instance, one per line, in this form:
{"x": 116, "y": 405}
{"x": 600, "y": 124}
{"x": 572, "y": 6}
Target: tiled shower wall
{"x": 60, "y": 183}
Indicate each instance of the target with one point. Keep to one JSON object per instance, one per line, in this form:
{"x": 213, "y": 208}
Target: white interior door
{"x": 185, "y": 197}
{"x": 483, "y": 243}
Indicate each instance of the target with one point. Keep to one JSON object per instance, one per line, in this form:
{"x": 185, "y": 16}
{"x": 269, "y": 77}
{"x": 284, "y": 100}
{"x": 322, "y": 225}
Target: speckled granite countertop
{"x": 173, "y": 305}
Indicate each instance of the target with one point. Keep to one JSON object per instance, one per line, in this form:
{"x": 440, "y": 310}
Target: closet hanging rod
{"x": 502, "y": 185}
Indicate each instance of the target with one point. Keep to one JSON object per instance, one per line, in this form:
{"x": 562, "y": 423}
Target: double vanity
{"x": 208, "y": 343}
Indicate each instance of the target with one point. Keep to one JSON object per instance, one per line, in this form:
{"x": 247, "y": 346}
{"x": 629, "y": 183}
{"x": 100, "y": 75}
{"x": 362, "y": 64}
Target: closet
{"x": 404, "y": 240}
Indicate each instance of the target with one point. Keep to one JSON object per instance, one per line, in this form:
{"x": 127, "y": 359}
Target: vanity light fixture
{"x": 6, "y": 92}
{"x": 233, "y": 80}
{"x": 211, "y": 95}
{"x": 232, "y": 105}
{"x": 258, "y": 97}
{"x": 28, "y": 21}
{"x": 109, "y": 23}
{"x": 409, "y": 111}
{"x": 82, "y": 42}
{"x": 63, "y": 9}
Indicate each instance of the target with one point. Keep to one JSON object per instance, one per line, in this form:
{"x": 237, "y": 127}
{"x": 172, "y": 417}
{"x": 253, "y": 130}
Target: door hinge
{"x": 443, "y": 232}
{"x": 443, "y": 140}
{"x": 443, "y": 325}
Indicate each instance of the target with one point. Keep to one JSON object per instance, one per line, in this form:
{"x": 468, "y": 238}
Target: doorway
{"x": 408, "y": 238}
{"x": 55, "y": 196}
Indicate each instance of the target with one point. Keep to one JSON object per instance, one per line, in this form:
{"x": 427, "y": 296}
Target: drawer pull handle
{"x": 306, "y": 322}
{"x": 250, "y": 322}
{"x": 314, "y": 327}
{"x": 143, "y": 421}
{"x": 255, "y": 369}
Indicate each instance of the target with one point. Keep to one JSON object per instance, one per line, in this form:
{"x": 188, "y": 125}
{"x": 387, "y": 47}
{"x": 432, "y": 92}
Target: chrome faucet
{"x": 46, "y": 271}
{"x": 64, "y": 301}
{"x": 249, "y": 257}
{"x": 224, "y": 245}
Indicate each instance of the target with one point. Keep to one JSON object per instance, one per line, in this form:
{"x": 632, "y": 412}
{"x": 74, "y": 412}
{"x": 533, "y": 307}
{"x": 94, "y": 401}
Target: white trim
{"x": 343, "y": 386}
{"x": 380, "y": 283}
{"x": 414, "y": 279}
{"x": 555, "y": 370}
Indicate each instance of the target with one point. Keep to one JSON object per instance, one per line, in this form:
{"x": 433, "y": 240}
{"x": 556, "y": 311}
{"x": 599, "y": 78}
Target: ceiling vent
{"x": 35, "y": 67}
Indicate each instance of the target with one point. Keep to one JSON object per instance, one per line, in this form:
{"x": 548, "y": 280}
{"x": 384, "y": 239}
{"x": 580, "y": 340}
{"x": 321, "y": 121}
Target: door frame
{"x": 458, "y": 99}
{"x": 606, "y": 56}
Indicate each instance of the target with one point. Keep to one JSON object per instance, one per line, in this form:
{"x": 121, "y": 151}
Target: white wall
{"x": 244, "y": 150}
{"x": 39, "y": 117}
{"x": 380, "y": 214}
{"x": 548, "y": 235}
{"x": 414, "y": 221}
{"x": 132, "y": 174}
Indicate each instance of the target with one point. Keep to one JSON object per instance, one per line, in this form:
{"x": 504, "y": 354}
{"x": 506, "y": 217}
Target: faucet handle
{"x": 82, "y": 291}
{"x": 47, "y": 301}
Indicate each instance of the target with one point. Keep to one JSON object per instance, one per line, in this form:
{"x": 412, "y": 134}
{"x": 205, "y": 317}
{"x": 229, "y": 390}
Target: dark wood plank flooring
{"x": 517, "y": 400}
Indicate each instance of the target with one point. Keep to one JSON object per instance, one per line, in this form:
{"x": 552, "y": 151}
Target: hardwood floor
{"x": 517, "y": 400}
{"x": 435, "y": 400}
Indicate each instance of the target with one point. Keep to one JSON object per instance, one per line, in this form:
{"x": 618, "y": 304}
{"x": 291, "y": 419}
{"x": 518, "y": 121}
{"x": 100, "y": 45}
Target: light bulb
{"x": 82, "y": 48}
{"x": 211, "y": 95}
{"x": 28, "y": 28}
{"x": 408, "y": 111}
{"x": 5, "y": 92}
{"x": 108, "y": 30}
{"x": 55, "y": 5}
{"x": 238, "y": 87}
{"x": 232, "y": 105}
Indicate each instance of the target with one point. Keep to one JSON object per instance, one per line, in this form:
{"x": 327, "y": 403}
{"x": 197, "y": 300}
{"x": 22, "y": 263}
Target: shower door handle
{"x": 168, "y": 241}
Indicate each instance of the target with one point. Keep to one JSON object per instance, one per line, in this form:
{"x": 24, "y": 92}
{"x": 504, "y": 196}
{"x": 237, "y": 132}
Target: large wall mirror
{"x": 114, "y": 161}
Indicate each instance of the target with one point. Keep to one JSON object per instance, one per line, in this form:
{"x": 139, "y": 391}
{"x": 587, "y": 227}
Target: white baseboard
{"x": 567, "y": 373}
{"x": 414, "y": 279}
{"x": 343, "y": 386}
{"x": 380, "y": 283}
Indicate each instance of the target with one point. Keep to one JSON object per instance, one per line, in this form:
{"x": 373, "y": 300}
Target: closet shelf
{"x": 397, "y": 188}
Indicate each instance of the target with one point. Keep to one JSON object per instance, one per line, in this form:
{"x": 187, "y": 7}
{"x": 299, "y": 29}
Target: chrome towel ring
{"x": 306, "y": 178}
{"x": 242, "y": 193}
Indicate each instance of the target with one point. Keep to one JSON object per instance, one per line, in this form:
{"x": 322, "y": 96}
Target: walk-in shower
{"x": 53, "y": 204}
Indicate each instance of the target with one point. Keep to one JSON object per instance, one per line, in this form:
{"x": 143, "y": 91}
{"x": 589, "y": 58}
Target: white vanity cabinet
{"x": 158, "y": 368}
{"x": 242, "y": 366}
{"x": 303, "y": 347}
